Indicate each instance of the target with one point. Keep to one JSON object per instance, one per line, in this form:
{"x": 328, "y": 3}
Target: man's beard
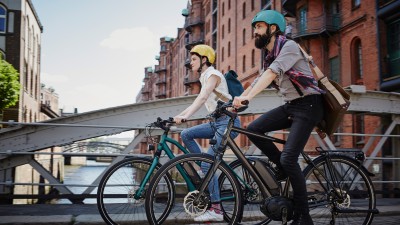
{"x": 262, "y": 40}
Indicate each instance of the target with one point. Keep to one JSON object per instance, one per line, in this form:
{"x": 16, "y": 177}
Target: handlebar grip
{"x": 245, "y": 102}
{"x": 184, "y": 120}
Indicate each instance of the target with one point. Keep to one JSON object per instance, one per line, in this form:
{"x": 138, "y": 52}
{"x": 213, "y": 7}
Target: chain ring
{"x": 250, "y": 197}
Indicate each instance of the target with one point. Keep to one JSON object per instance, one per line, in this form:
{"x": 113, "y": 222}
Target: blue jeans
{"x": 301, "y": 116}
{"x": 205, "y": 131}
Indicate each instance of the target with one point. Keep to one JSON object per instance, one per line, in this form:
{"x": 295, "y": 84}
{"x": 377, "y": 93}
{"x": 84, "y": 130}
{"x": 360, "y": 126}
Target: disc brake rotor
{"x": 195, "y": 204}
{"x": 131, "y": 196}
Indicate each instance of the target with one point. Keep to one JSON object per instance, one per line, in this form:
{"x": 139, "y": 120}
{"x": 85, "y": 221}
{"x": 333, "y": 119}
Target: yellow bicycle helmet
{"x": 204, "y": 50}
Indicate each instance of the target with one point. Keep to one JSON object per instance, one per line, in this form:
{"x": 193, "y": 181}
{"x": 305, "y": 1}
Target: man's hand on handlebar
{"x": 240, "y": 101}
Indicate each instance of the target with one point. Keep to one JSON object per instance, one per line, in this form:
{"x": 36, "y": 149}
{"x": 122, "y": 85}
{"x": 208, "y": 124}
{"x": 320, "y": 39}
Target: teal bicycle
{"x": 122, "y": 190}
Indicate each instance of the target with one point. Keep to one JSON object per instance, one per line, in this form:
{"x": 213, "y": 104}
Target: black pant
{"x": 301, "y": 116}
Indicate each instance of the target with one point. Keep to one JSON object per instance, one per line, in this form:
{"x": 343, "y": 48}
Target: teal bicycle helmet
{"x": 270, "y": 17}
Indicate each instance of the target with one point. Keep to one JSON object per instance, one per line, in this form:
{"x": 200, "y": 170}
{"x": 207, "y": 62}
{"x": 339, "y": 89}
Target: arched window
{"x": 244, "y": 36}
{"x": 356, "y": 62}
{"x": 229, "y": 49}
{"x": 253, "y": 53}
{"x": 244, "y": 10}
{"x": 3, "y": 19}
{"x": 244, "y": 63}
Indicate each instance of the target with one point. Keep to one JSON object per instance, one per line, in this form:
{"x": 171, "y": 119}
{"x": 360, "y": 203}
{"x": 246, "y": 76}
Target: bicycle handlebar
{"x": 222, "y": 108}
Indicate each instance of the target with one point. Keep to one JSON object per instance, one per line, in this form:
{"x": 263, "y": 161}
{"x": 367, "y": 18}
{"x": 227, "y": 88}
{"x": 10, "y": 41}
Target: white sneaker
{"x": 209, "y": 215}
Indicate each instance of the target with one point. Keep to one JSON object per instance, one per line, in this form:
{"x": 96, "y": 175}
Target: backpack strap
{"x": 297, "y": 89}
{"x": 314, "y": 66}
{"x": 220, "y": 96}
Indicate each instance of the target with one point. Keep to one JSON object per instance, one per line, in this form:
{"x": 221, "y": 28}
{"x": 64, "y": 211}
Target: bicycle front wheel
{"x": 191, "y": 204}
{"x": 340, "y": 192}
{"x": 118, "y": 200}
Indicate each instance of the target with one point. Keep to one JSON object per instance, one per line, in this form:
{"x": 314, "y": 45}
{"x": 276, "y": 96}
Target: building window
{"x": 244, "y": 64}
{"x": 223, "y": 8}
{"x": 244, "y": 10}
{"x": 334, "y": 69}
{"x": 229, "y": 4}
{"x": 359, "y": 128}
{"x": 355, "y": 4}
{"x": 303, "y": 20}
{"x": 265, "y": 4}
{"x": 214, "y": 41}
{"x": 253, "y": 53}
{"x": 244, "y": 36}
{"x": 356, "y": 61}
{"x": 214, "y": 22}
{"x": 25, "y": 71}
{"x": 393, "y": 40}
{"x": 215, "y": 4}
{"x": 229, "y": 25}
{"x": 223, "y": 31}
{"x": 252, "y": 5}
{"x": 223, "y": 54}
{"x": 229, "y": 49}
{"x": 3, "y": 19}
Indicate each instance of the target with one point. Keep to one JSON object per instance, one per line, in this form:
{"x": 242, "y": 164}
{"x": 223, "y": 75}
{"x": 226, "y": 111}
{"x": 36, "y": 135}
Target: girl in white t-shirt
{"x": 214, "y": 87}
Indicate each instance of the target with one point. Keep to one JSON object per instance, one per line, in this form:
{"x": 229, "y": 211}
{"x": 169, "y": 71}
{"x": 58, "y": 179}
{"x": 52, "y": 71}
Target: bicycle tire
{"x": 185, "y": 210}
{"x": 252, "y": 196}
{"x": 115, "y": 192}
{"x": 357, "y": 201}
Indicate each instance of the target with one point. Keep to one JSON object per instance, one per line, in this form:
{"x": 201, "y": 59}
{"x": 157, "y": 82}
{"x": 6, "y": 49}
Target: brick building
{"x": 20, "y": 45}
{"x": 353, "y": 42}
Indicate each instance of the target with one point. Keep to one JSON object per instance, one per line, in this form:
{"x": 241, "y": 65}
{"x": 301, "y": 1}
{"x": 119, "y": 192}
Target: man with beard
{"x": 287, "y": 70}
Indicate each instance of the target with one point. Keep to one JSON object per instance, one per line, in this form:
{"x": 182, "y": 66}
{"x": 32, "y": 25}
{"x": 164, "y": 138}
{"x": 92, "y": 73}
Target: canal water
{"x": 81, "y": 175}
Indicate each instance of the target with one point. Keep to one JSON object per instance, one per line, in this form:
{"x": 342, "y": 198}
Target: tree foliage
{"x": 9, "y": 85}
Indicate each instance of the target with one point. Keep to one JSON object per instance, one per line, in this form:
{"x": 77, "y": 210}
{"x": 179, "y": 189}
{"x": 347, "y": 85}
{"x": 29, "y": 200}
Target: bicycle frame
{"x": 162, "y": 146}
{"x": 228, "y": 141}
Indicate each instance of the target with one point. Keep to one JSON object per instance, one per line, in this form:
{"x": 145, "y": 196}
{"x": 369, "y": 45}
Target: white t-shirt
{"x": 222, "y": 88}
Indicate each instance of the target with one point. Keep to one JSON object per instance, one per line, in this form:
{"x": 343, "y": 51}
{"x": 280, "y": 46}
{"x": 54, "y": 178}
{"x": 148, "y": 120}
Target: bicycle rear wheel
{"x": 252, "y": 196}
{"x": 116, "y": 199}
{"x": 189, "y": 202}
{"x": 341, "y": 193}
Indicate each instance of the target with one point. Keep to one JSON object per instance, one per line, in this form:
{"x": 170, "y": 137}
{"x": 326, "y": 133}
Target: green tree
{"x": 9, "y": 86}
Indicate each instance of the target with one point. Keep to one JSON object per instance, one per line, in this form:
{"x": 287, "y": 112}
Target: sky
{"x": 94, "y": 52}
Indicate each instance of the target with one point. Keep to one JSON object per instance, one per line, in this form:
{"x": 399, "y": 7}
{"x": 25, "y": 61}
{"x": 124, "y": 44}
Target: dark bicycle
{"x": 339, "y": 188}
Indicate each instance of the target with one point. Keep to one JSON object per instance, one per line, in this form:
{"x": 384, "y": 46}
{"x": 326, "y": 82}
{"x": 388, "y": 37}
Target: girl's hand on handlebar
{"x": 180, "y": 119}
{"x": 240, "y": 101}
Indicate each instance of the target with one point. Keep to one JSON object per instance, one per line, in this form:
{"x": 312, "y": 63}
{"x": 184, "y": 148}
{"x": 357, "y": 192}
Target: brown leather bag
{"x": 336, "y": 101}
